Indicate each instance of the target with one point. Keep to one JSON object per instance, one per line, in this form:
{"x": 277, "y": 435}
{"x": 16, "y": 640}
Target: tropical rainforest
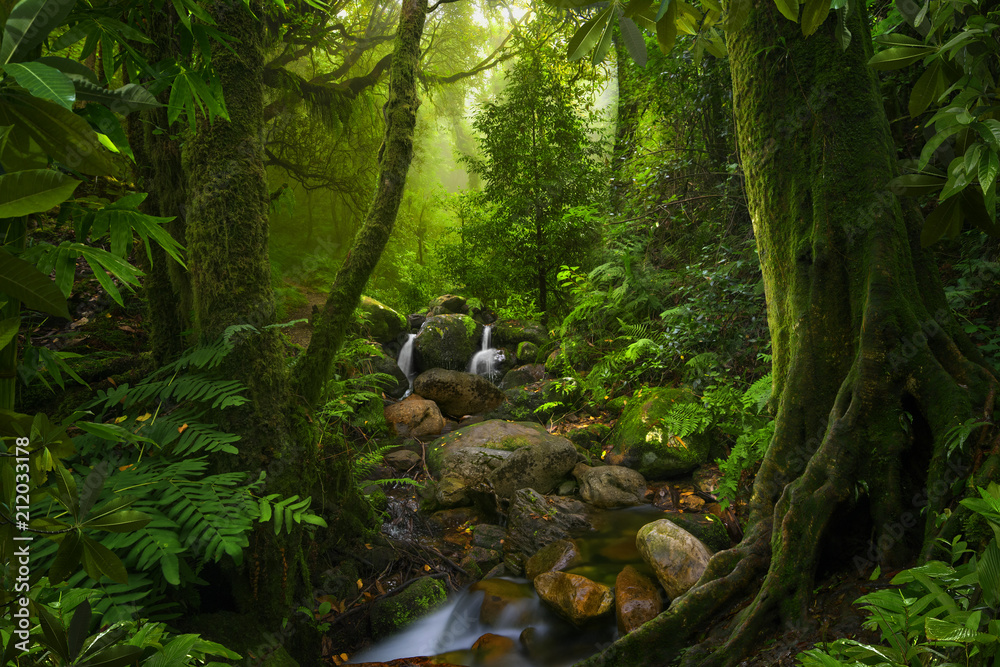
{"x": 499, "y": 332}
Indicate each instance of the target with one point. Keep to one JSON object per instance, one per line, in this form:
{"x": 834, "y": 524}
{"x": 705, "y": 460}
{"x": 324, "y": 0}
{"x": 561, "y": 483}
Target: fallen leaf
{"x": 361, "y": 584}
{"x": 144, "y": 417}
{"x": 427, "y": 568}
{"x": 182, "y": 428}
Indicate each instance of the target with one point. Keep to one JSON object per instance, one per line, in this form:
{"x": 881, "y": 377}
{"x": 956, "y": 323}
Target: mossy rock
{"x": 493, "y": 434}
{"x": 706, "y": 527}
{"x": 447, "y": 341}
{"x": 393, "y": 613}
{"x": 448, "y": 304}
{"x": 513, "y": 332}
{"x": 641, "y": 443}
{"x": 526, "y": 352}
{"x": 383, "y": 323}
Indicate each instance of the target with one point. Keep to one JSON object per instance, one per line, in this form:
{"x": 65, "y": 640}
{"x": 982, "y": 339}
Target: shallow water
{"x": 540, "y": 638}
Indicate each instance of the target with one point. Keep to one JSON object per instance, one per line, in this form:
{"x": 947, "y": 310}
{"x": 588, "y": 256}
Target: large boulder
{"x": 488, "y": 437}
{"x": 447, "y": 341}
{"x": 677, "y": 557}
{"x": 522, "y": 375}
{"x": 560, "y": 555}
{"x": 540, "y": 467}
{"x": 380, "y": 322}
{"x": 610, "y": 486}
{"x": 636, "y": 600}
{"x": 512, "y": 332}
{"x": 534, "y": 520}
{"x": 395, "y": 386}
{"x": 575, "y": 598}
{"x": 642, "y": 441}
{"x": 448, "y": 304}
{"x": 458, "y": 393}
{"x": 415, "y": 417}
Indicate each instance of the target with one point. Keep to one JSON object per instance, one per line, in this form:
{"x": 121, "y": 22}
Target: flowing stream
{"x": 539, "y": 638}
{"x": 484, "y": 362}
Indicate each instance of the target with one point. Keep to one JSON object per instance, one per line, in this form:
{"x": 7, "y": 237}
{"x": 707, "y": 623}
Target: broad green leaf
{"x": 914, "y": 185}
{"x": 843, "y": 33}
{"x": 989, "y": 130}
{"x": 899, "y": 57}
{"x": 942, "y": 630}
{"x": 8, "y": 330}
{"x": 928, "y": 88}
{"x": 130, "y": 97}
{"x": 982, "y": 214}
{"x": 54, "y": 633}
{"x": 666, "y": 29}
{"x": 67, "y": 558}
{"x": 634, "y": 42}
{"x": 789, "y": 8}
{"x": 78, "y": 627}
{"x": 934, "y": 143}
{"x": 122, "y": 521}
{"x": 897, "y": 39}
{"x": 958, "y": 179}
{"x": 814, "y": 12}
{"x": 636, "y": 7}
{"x": 43, "y": 82}
{"x": 34, "y": 191}
{"x": 584, "y": 39}
{"x": 60, "y": 133}
{"x": 738, "y": 11}
{"x": 662, "y": 11}
{"x": 29, "y": 23}
{"x": 989, "y": 574}
{"x": 108, "y": 124}
{"x": 116, "y": 656}
{"x": 940, "y": 221}
{"x": 31, "y": 287}
{"x": 604, "y": 45}
{"x": 971, "y": 159}
{"x": 99, "y": 560}
{"x": 69, "y": 66}
{"x": 989, "y": 165}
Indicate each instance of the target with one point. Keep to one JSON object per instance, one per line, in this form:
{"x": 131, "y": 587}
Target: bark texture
{"x": 861, "y": 338}
{"x": 397, "y": 152}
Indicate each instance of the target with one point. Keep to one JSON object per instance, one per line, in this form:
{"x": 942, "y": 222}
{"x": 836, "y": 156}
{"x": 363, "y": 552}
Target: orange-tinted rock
{"x": 491, "y": 649}
{"x": 415, "y": 418}
{"x": 499, "y": 594}
{"x": 576, "y": 598}
{"x": 637, "y": 599}
{"x": 559, "y": 555}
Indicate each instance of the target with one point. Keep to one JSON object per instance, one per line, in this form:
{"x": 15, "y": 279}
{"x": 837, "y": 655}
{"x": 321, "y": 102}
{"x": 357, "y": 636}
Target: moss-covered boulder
{"x": 642, "y": 440}
{"x": 512, "y": 332}
{"x": 527, "y": 352}
{"x": 458, "y": 393}
{"x": 447, "y": 341}
{"x": 448, "y": 304}
{"x": 392, "y": 613}
{"x": 380, "y": 322}
{"x": 488, "y": 435}
{"x": 709, "y": 529}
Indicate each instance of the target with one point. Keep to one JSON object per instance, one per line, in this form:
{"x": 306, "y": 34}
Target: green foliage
{"x": 939, "y": 613}
{"x": 541, "y": 174}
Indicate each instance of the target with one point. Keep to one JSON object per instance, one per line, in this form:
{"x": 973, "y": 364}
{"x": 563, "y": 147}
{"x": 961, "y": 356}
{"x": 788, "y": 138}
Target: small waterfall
{"x": 405, "y": 361}
{"x": 484, "y": 362}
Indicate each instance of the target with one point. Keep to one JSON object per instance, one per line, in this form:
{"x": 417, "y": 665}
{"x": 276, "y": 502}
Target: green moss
{"x": 417, "y": 599}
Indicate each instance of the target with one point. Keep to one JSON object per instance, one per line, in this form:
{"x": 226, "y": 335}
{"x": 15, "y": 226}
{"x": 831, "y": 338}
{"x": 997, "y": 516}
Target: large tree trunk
{"x": 861, "y": 338}
{"x": 397, "y": 152}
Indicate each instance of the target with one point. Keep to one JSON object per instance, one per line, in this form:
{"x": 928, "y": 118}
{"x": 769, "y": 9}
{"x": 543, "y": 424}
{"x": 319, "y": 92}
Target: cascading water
{"x": 405, "y": 361}
{"x": 484, "y": 362}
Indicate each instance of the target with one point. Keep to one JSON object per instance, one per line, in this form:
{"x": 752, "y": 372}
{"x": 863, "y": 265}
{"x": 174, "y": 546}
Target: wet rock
{"x": 677, "y": 557}
{"x": 458, "y": 516}
{"x": 402, "y": 459}
{"x": 640, "y": 442}
{"x": 535, "y": 521}
{"x": 446, "y": 453}
{"x": 488, "y": 536}
{"x": 540, "y": 466}
{"x": 386, "y": 365}
{"x": 526, "y": 352}
{"x": 458, "y": 393}
{"x": 382, "y": 323}
{"x": 479, "y": 561}
{"x": 637, "y": 599}
{"x": 414, "y": 321}
{"x": 710, "y": 530}
{"x": 415, "y": 418}
{"x": 448, "y": 304}
{"x": 391, "y": 613}
{"x": 512, "y": 332}
{"x": 575, "y": 598}
{"x": 451, "y": 492}
{"x": 491, "y": 649}
{"x": 517, "y": 377}
{"x": 559, "y": 555}
{"x": 447, "y": 341}
{"x": 502, "y": 597}
{"x": 610, "y": 486}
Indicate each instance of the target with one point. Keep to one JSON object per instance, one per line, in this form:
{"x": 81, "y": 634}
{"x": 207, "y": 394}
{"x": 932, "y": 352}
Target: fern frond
{"x": 759, "y": 393}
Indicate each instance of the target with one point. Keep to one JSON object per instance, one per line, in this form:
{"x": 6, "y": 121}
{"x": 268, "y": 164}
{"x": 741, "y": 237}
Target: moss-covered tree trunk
{"x": 397, "y": 152}
{"x": 870, "y": 370}
{"x": 158, "y": 171}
